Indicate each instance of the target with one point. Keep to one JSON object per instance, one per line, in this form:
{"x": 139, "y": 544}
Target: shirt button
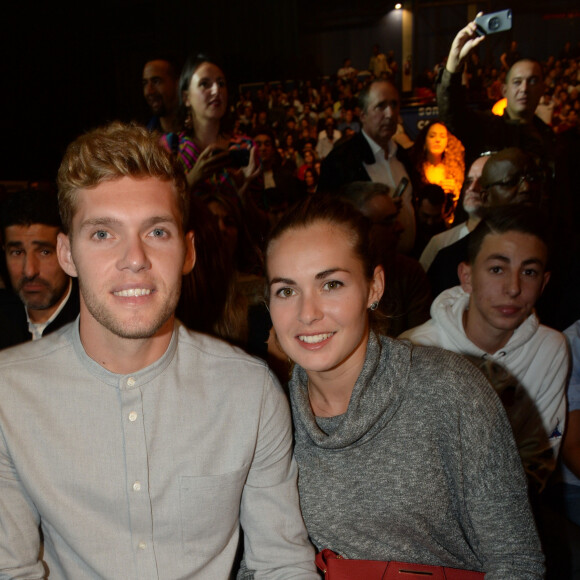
{"x": 142, "y": 545}
{"x": 137, "y": 486}
{"x": 132, "y": 416}
{"x": 131, "y": 382}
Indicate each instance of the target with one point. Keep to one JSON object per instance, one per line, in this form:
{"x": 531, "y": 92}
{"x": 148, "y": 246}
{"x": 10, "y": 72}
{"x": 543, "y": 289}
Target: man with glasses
{"x": 508, "y": 178}
{"x": 511, "y": 179}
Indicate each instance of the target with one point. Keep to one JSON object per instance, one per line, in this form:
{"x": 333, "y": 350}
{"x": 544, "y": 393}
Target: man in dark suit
{"x": 30, "y": 224}
{"x": 372, "y": 155}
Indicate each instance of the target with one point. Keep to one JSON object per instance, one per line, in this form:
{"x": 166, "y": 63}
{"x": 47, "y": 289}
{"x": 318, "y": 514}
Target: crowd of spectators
{"x": 316, "y": 115}
{"x": 250, "y": 156}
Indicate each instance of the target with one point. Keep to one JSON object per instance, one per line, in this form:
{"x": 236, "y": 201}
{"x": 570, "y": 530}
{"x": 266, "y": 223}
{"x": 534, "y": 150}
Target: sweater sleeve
{"x": 495, "y": 489}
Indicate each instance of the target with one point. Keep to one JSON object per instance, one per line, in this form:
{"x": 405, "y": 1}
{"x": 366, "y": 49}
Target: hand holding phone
{"x": 493, "y": 22}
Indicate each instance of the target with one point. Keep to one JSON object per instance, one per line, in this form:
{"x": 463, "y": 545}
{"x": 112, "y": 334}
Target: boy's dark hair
{"x": 511, "y": 218}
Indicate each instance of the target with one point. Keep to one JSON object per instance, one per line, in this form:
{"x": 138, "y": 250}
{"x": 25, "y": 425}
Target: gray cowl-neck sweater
{"x": 421, "y": 468}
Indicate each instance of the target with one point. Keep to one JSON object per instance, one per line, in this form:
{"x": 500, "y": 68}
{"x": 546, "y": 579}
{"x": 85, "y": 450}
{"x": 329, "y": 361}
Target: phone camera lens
{"x": 494, "y": 23}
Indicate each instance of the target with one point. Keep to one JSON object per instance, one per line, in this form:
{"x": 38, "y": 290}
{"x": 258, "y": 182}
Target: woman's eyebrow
{"x": 330, "y": 272}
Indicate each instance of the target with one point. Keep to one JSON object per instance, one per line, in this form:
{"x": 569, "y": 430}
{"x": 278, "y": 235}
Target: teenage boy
{"x": 490, "y": 317}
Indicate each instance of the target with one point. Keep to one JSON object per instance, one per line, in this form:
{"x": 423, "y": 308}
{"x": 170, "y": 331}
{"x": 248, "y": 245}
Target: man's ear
{"x": 377, "y": 286}
{"x": 546, "y": 280}
{"x": 189, "y": 261}
{"x": 503, "y": 89}
{"x": 64, "y": 254}
{"x": 464, "y": 274}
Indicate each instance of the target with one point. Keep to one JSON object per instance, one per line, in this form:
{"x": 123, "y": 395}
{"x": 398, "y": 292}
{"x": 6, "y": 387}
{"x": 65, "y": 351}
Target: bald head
{"x": 472, "y": 185}
{"x": 506, "y": 179}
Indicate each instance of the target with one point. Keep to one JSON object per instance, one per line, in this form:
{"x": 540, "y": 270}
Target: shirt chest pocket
{"x": 210, "y": 508}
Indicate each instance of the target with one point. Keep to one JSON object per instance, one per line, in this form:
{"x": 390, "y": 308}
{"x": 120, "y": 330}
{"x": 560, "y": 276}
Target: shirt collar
{"x": 377, "y": 150}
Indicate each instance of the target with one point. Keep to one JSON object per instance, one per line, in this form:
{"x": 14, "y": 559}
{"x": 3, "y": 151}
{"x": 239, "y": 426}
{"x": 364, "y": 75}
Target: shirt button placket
{"x": 137, "y": 471}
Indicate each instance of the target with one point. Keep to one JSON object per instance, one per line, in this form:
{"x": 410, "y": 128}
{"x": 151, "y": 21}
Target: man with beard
{"x": 160, "y": 89}
{"x": 30, "y": 224}
{"x": 471, "y": 202}
{"x": 139, "y": 448}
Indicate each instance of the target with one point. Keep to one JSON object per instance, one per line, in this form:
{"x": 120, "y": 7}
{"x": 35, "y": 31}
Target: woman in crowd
{"x": 311, "y": 180}
{"x": 309, "y": 159}
{"x": 211, "y": 157}
{"x": 291, "y": 159}
{"x": 439, "y": 159}
{"x": 405, "y": 453}
{"x": 204, "y": 146}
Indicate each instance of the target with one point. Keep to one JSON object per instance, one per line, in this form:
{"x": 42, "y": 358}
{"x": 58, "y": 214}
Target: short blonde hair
{"x": 111, "y": 152}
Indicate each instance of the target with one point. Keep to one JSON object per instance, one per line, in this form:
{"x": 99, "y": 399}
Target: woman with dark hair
{"x": 439, "y": 159}
{"x": 310, "y": 180}
{"x": 291, "y": 159}
{"x": 309, "y": 157}
{"x": 405, "y": 453}
{"x": 211, "y": 157}
{"x": 214, "y": 159}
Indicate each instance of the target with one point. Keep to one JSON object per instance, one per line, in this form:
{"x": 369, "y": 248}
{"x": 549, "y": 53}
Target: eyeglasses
{"x": 517, "y": 180}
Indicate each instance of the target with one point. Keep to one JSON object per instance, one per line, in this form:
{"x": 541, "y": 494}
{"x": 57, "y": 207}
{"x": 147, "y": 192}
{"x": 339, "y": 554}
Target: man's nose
{"x": 30, "y": 267}
{"x": 475, "y": 186}
{"x": 134, "y": 256}
{"x": 513, "y": 284}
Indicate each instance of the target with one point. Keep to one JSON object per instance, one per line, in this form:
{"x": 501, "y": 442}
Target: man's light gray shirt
{"x": 147, "y": 475}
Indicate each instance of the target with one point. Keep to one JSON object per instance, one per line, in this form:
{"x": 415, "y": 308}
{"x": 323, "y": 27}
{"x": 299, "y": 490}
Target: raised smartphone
{"x": 493, "y": 22}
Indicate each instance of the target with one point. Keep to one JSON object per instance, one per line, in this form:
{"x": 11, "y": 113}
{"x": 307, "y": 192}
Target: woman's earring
{"x": 374, "y": 306}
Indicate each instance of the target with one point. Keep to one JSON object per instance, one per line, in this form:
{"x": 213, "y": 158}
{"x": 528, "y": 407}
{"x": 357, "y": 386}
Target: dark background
{"x": 70, "y": 66}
